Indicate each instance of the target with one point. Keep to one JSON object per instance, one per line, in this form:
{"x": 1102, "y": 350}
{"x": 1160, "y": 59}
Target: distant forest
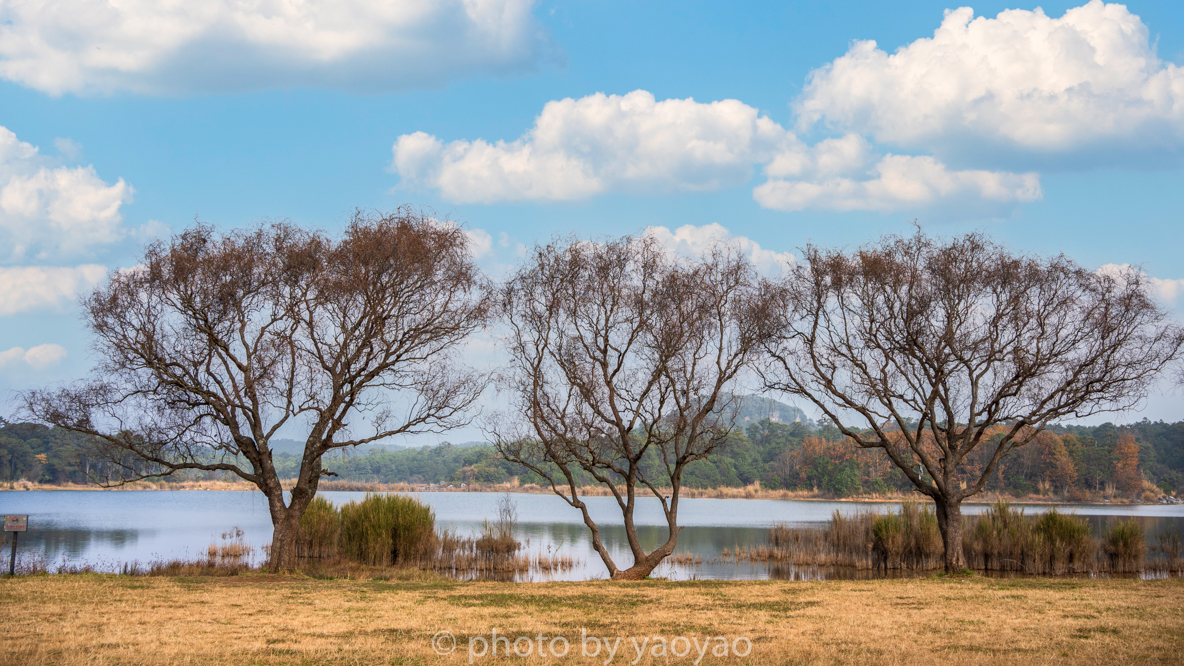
{"x": 773, "y": 444}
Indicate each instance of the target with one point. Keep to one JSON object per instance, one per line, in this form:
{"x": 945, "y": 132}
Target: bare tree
{"x": 929, "y": 350}
{"x": 619, "y": 351}
{"x": 218, "y": 341}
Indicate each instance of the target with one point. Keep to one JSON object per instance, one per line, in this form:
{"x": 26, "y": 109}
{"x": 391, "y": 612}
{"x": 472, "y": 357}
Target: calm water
{"x": 109, "y": 528}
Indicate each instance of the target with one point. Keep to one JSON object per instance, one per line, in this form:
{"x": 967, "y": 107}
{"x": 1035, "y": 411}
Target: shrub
{"x": 387, "y": 529}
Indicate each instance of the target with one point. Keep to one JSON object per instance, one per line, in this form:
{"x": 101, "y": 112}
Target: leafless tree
{"x": 619, "y": 351}
{"x": 929, "y": 350}
{"x": 217, "y": 341}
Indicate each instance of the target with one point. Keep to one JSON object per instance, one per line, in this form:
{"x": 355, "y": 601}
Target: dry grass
{"x": 284, "y": 620}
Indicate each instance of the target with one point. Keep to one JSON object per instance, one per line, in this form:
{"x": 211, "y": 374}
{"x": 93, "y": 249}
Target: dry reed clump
{"x": 1124, "y": 547}
{"x": 1004, "y": 539}
{"x": 382, "y": 530}
{"x": 494, "y": 554}
{"x": 320, "y": 530}
{"x": 232, "y": 549}
{"x": 1169, "y": 547}
{"x": 908, "y": 539}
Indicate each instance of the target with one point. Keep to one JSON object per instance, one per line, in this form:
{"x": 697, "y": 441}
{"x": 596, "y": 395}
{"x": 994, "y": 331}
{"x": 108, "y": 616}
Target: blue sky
{"x": 774, "y": 124}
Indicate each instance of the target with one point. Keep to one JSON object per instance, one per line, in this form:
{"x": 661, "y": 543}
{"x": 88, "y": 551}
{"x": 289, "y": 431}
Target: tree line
{"x": 1076, "y": 463}
{"x": 944, "y": 358}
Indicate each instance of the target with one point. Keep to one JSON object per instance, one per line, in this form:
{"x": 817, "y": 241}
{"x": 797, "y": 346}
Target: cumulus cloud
{"x": 690, "y": 240}
{"x": 38, "y": 358}
{"x": 633, "y": 143}
{"x": 147, "y": 46}
{"x": 896, "y": 182}
{"x": 580, "y": 148}
{"x": 30, "y": 288}
{"x": 1022, "y": 82}
{"x": 44, "y": 209}
{"x": 1165, "y": 289}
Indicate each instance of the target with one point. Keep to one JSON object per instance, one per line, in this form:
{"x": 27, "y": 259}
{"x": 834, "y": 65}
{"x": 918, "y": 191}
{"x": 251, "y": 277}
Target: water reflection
{"x": 56, "y": 543}
{"x": 99, "y": 527}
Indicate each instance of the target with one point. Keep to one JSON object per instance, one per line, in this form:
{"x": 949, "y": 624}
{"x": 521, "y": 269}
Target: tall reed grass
{"x": 382, "y": 530}
{"x": 320, "y": 530}
{"x": 1000, "y": 539}
{"x": 1124, "y": 546}
{"x": 1005, "y": 539}
{"x": 908, "y": 539}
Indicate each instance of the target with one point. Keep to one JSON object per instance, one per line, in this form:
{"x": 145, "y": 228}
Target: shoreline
{"x": 747, "y": 492}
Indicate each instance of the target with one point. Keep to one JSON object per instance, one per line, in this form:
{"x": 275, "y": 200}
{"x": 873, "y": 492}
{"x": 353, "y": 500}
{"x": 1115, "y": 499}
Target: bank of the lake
{"x": 753, "y": 491}
{"x": 283, "y": 620}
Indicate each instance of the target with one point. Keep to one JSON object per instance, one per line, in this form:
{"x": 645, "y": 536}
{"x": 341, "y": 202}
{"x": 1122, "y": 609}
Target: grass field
{"x": 257, "y": 619}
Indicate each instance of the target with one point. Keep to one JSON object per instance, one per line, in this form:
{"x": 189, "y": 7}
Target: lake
{"x": 109, "y": 528}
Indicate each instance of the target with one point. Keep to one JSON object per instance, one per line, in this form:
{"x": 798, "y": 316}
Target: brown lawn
{"x": 258, "y": 619}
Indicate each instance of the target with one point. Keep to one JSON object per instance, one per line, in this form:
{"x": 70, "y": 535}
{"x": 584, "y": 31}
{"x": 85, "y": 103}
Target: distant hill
{"x": 754, "y": 409}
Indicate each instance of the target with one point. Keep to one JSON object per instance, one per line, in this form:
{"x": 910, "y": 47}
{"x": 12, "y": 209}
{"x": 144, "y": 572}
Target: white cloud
{"x": 895, "y": 182}
{"x": 46, "y": 209}
{"x": 1165, "y": 290}
{"x": 632, "y": 143}
{"x": 31, "y": 288}
{"x": 38, "y": 358}
{"x": 1021, "y": 82}
{"x": 690, "y": 240}
{"x": 580, "y": 148}
{"x": 149, "y": 46}
{"x": 480, "y": 242}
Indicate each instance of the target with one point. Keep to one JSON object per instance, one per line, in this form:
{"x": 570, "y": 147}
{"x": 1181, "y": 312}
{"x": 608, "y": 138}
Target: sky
{"x": 1054, "y": 128}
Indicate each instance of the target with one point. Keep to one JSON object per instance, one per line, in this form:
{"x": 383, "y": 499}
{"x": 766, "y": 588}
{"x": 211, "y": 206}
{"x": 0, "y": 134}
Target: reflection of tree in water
{"x": 74, "y": 543}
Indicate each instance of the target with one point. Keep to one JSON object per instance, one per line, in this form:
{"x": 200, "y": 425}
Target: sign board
{"x": 16, "y": 523}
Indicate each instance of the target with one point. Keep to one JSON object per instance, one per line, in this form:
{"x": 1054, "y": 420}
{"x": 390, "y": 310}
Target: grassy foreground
{"x": 257, "y": 619}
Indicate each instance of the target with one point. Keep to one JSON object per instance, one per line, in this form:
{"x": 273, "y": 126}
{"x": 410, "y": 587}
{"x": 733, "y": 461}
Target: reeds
{"x": 320, "y": 530}
{"x": 393, "y": 530}
{"x": 1005, "y": 539}
{"x": 908, "y": 539}
{"x": 1169, "y": 548}
{"x": 1124, "y": 546}
{"x": 382, "y": 530}
{"x": 1000, "y": 539}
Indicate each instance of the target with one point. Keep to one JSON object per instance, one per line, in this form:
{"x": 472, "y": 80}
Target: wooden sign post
{"x": 16, "y": 525}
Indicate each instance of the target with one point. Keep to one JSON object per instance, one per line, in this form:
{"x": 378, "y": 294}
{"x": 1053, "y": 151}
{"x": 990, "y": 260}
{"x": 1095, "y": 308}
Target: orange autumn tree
{"x": 1059, "y": 469}
{"x": 1127, "y": 476}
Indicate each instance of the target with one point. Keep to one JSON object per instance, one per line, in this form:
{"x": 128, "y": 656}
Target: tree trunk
{"x": 283, "y": 542}
{"x": 645, "y": 565}
{"x": 949, "y": 521}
